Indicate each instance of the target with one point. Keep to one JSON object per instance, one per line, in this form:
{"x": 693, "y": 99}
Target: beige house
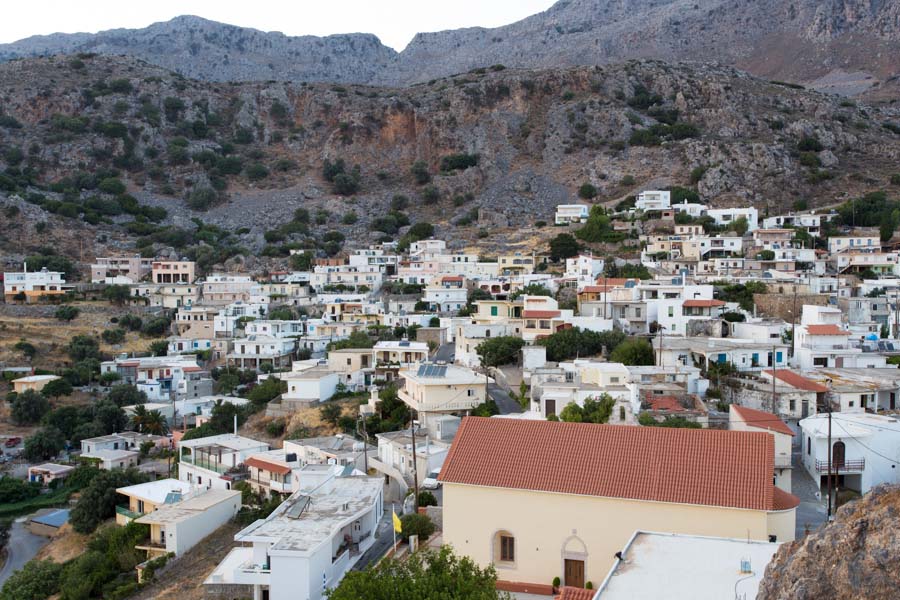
{"x": 434, "y": 390}
{"x": 32, "y": 382}
{"x": 173, "y": 271}
{"x": 563, "y": 507}
{"x": 144, "y": 498}
{"x": 741, "y": 418}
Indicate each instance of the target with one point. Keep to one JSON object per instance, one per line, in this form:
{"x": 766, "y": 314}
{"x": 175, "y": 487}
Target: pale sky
{"x": 393, "y": 21}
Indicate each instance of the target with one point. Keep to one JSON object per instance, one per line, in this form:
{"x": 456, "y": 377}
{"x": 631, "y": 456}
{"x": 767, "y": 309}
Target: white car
{"x": 431, "y": 482}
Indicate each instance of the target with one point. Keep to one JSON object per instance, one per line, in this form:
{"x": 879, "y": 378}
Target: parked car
{"x": 13, "y": 442}
{"x": 431, "y": 482}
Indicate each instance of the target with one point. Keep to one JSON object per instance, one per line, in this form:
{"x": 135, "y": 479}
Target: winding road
{"x": 21, "y": 547}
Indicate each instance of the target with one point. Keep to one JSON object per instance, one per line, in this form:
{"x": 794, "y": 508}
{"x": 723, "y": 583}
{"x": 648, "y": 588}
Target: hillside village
{"x": 562, "y": 418}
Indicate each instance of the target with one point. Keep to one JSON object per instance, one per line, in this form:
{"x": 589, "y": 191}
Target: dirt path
{"x": 184, "y": 579}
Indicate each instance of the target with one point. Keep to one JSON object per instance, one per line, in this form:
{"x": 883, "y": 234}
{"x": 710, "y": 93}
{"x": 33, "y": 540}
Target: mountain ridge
{"x": 846, "y": 46}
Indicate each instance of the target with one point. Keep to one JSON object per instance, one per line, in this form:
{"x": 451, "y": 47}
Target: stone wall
{"x": 780, "y": 306}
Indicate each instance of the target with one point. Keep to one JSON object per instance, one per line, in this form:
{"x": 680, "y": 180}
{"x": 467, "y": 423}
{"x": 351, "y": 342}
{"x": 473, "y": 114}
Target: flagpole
{"x": 393, "y": 528}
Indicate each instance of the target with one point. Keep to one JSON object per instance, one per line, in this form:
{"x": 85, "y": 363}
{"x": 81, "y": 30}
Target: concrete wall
{"x": 549, "y": 527}
{"x": 182, "y": 536}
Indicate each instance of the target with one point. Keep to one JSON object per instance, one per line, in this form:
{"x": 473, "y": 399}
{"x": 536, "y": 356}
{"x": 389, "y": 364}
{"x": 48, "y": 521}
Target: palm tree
{"x": 155, "y": 423}
{"x": 139, "y": 417}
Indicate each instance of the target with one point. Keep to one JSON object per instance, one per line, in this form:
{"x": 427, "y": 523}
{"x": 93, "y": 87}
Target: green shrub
{"x": 809, "y": 144}
{"x": 256, "y": 172}
{"x": 415, "y": 524}
{"x": 587, "y": 191}
{"x": 66, "y": 312}
{"x": 458, "y": 162}
{"x": 202, "y": 198}
{"x": 426, "y": 498}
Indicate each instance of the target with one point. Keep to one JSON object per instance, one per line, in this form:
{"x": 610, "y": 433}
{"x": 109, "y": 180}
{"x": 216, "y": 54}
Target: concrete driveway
{"x": 21, "y": 548}
{"x": 506, "y": 403}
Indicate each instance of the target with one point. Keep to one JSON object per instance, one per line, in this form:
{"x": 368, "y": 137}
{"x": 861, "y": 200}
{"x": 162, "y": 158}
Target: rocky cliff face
{"x": 847, "y": 46}
{"x": 68, "y": 123}
{"x": 855, "y": 556}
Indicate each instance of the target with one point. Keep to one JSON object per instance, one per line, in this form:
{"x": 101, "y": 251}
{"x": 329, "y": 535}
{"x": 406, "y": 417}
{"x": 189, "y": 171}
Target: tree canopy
{"x": 98, "y": 500}
{"x": 497, "y": 351}
{"x": 576, "y": 342}
{"x": 633, "y": 352}
{"x": 426, "y": 575}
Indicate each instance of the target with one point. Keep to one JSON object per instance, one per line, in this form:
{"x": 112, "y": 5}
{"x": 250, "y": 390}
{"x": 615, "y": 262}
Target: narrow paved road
{"x": 506, "y": 403}
{"x": 445, "y": 353}
{"x": 382, "y": 544}
{"x": 21, "y": 547}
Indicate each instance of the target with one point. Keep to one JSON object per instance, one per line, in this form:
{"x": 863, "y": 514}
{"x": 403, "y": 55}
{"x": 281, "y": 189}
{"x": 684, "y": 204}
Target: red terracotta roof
{"x": 540, "y": 314}
{"x": 762, "y": 419}
{"x": 271, "y": 467}
{"x": 825, "y": 330}
{"x": 669, "y": 403}
{"x": 798, "y": 381}
{"x": 698, "y": 303}
{"x": 781, "y": 500}
{"x": 661, "y": 464}
{"x": 452, "y": 278}
{"x": 612, "y": 281}
{"x": 573, "y": 593}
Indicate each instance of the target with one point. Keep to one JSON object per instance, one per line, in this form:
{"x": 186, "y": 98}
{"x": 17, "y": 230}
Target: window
{"x": 808, "y": 445}
{"x": 507, "y": 548}
{"x": 470, "y": 392}
{"x": 493, "y": 311}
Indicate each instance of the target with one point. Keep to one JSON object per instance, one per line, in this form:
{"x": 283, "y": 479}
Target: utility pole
{"x": 416, "y": 467}
{"x": 659, "y": 330}
{"x": 794, "y": 320}
{"x": 828, "y": 408}
{"x": 774, "y": 379}
{"x": 362, "y": 419}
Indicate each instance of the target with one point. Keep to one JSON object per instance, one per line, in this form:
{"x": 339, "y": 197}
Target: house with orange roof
{"x": 741, "y": 418}
{"x": 822, "y": 340}
{"x": 563, "y": 507}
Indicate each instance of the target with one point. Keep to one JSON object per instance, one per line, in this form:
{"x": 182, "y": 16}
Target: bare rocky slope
{"x": 258, "y": 149}
{"x": 853, "y": 557}
{"x": 846, "y": 46}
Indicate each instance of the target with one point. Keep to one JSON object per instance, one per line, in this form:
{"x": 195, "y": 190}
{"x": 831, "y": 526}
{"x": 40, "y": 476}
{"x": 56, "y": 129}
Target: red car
{"x": 13, "y": 442}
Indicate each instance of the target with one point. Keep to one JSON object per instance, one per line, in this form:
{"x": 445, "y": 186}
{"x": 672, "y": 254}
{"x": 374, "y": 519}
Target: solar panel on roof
{"x": 432, "y": 371}
{"x": 298, "y": 507}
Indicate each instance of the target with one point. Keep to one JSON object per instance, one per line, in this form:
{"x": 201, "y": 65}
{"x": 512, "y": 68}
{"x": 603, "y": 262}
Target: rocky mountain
{"x": 852, "y": 557}
{"x": 205, "y": 49}
{"x": 136, "y": 152}
{"x": 845, "y": 46}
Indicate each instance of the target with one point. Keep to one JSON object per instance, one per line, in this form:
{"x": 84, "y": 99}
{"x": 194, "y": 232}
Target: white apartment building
{"x": 584, "y": 269}
{"x": 162, "y": 378}
{"x": 653, "y": 200}
{"x": 309, "y": 542}
{"x": 864, "y": 450}
{"x": 33, "y": 285}
{"x": 571, "y": 213}
{"x": 727, "y": 216}
{"x": 216, "y": 461}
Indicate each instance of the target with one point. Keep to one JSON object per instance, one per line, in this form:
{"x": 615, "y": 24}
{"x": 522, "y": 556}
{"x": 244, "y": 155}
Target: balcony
{"x": 125, "y": 515}
{"x": 856, "y": 465}
{"x": 279, "y": 486}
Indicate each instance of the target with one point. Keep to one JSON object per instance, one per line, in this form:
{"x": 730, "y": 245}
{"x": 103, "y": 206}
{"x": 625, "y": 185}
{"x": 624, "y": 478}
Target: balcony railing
{"x": 842, "y": 466}
{"x": 127, "y": 512}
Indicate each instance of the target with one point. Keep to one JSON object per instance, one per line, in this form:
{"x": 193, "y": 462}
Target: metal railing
{"x": 838, "y": 466}
{"x": 127, "y": 512}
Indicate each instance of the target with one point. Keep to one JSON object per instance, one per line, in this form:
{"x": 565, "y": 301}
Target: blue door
{"x": 723, "y": 358}
{"x": 778, "y": 357}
